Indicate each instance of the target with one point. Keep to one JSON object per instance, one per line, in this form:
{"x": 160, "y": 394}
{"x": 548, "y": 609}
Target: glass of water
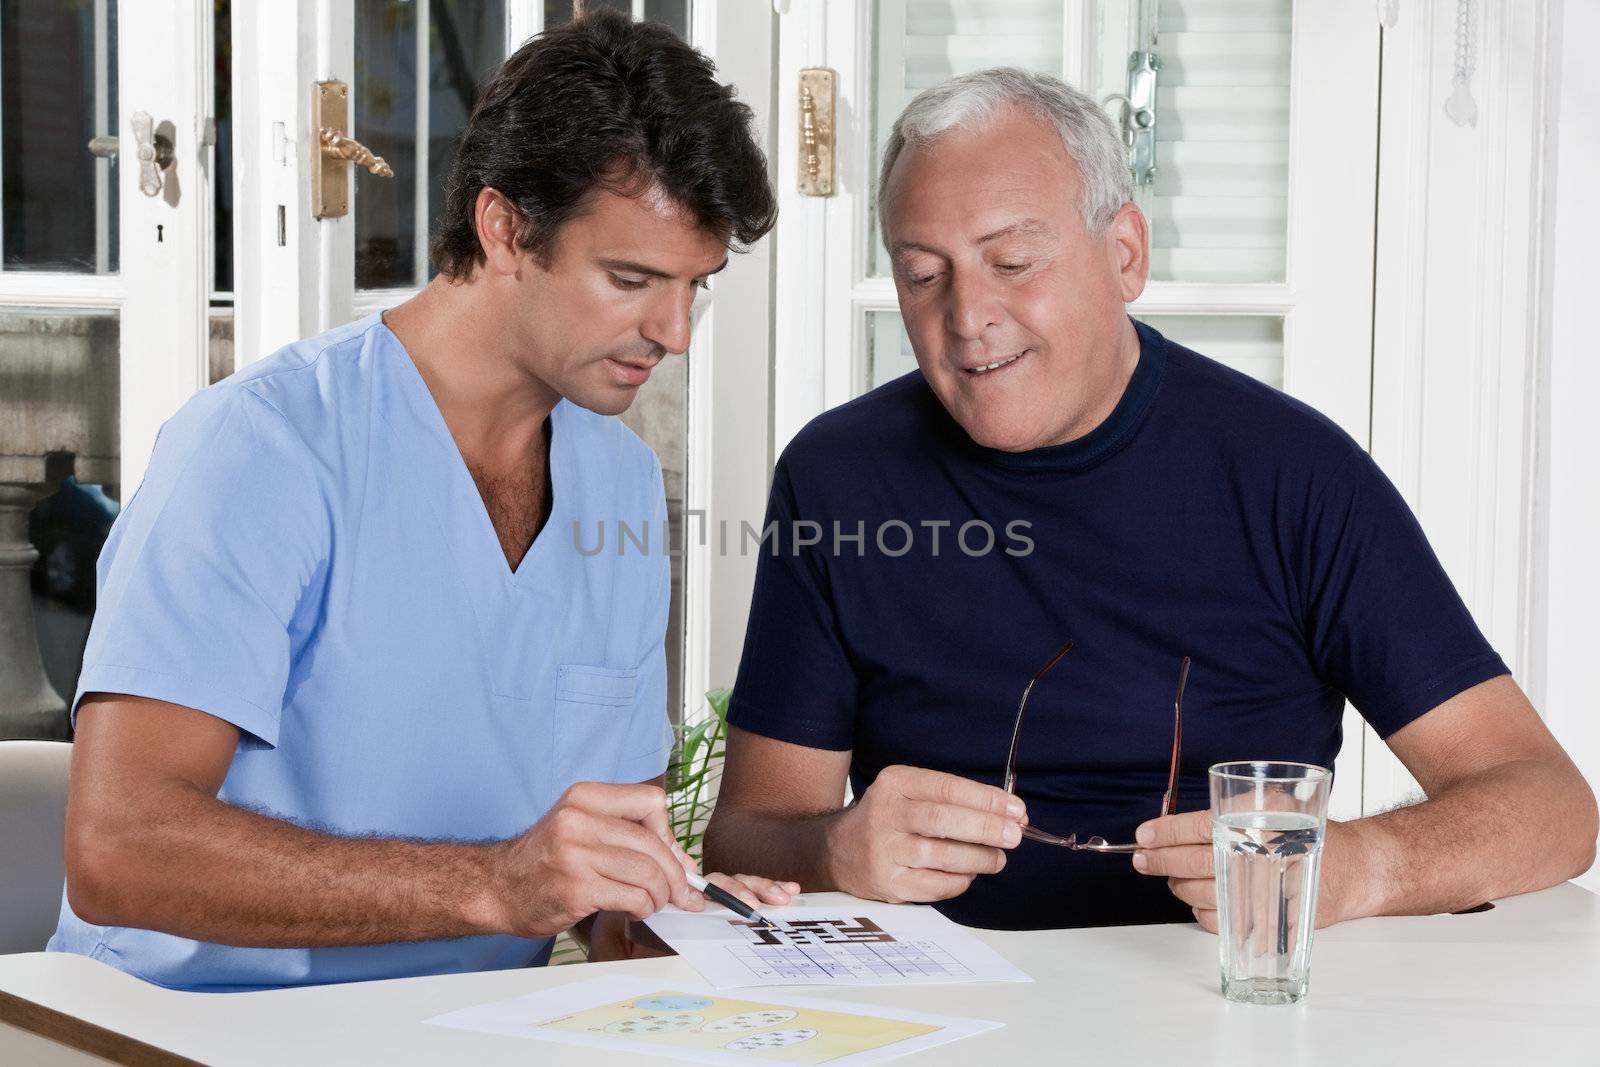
{"x": 1267, "y": 825}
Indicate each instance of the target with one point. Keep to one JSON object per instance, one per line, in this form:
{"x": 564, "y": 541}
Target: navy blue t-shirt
{"x": 1209, "y": 516}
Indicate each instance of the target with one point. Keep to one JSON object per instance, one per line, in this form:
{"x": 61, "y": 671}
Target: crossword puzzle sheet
{"x": 634, "y": 1015}
{"x": 879, "y": 944}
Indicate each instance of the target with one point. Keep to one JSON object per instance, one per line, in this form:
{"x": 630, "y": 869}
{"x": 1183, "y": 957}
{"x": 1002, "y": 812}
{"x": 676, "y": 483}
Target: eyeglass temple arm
{"x": 1169, "y": 799}
{"x": 1016, "y": 731}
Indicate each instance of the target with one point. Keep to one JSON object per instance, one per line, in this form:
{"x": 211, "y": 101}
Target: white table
{"x": 1516, "y": 985}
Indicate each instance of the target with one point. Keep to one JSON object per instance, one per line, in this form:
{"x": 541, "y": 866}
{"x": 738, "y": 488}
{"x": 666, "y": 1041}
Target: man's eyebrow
{"x": 654, "y": 272}
{"x": 912, "y": 246}
{"x": 1025, "y": 228}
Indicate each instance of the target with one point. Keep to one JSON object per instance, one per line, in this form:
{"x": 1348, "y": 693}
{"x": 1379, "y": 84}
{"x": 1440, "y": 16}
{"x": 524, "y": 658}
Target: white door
{"x": 299, "y": 274}
{"x": 105, "y": 282}
{"x": 1261, "y": 200}
{"x": 92, "y": 233}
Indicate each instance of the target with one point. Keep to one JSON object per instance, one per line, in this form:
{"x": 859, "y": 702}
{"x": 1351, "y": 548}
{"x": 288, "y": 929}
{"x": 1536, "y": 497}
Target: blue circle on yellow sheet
{"x": 672, "y": 1003}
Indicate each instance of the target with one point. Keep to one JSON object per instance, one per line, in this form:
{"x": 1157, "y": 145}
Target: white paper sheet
{"x": 622, "y": 1014}
{"x": 876, "y": 944}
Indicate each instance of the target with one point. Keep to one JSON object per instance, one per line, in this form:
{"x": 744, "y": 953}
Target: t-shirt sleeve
{"x": 1385, "y": 625}
{"x": 201, "y": 578}
{"x": 795, "y": 682}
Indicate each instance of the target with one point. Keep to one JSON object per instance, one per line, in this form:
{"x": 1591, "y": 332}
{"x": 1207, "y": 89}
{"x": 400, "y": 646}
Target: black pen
{"x": 727, "y": 899}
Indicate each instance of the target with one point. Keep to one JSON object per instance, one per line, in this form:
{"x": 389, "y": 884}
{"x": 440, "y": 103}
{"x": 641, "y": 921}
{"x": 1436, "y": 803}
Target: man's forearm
{"x": 197, "y": 867}
{"x": 790, "y": 848}
{"x": 1515, "y": 828}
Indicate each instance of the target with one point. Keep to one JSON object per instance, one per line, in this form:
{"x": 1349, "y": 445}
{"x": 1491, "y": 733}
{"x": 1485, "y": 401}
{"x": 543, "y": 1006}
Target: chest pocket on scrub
{"x": 596, "y": 731}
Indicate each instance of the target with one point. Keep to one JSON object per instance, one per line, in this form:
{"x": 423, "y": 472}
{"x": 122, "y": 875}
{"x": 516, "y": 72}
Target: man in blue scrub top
{"x": 1052, "y": 472}
{"x": 354, "y": 704}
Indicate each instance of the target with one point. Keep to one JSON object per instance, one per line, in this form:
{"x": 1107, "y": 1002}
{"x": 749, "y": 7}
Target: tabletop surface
{"x": 1516, "y": 984}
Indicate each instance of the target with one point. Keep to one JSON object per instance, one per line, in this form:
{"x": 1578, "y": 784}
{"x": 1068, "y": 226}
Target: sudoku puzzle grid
{"x": 829, "y": 948}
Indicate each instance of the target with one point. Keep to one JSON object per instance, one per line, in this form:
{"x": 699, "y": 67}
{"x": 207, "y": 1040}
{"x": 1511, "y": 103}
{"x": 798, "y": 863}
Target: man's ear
{"x": 498, "y": 223}
{"x": 1129, "y": 235}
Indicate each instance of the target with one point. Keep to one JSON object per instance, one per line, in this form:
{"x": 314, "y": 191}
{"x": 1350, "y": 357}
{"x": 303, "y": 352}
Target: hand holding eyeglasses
{"x": 918, "y": 835}
{"x": 1179, "y": 846}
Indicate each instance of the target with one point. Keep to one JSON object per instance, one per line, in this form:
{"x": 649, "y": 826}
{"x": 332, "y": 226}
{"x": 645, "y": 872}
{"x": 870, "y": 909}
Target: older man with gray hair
{"x": 1161, "y": 513}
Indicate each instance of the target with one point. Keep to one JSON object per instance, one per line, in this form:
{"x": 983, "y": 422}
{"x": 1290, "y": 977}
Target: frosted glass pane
{"x": 889, "y": 353}
{"x": 1249, "y": 343}
{"x": 918, "y": 43}
{"x": 1218, "y": 198}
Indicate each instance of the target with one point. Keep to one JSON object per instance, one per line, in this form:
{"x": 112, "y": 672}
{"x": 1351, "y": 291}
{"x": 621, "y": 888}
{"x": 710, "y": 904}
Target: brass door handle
{"x": 332, "y": 148}
{"x": 335, "y": 145}
{"x": 817, "y": 93}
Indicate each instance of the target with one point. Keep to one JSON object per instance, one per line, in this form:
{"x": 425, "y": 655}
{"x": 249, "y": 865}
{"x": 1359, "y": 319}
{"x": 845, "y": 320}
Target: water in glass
{"x": 1267, "y": 864}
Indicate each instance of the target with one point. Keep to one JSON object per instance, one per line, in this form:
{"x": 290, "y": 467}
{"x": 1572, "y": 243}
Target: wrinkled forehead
{"x": 974, "y": 181}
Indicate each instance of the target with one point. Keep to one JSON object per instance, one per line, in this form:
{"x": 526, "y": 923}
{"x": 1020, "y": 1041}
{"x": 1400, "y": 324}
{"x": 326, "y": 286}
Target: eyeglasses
{"x": 1169, "y": 800}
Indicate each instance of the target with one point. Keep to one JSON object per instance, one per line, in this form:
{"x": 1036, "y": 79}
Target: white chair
{"x": 33, "y": 822}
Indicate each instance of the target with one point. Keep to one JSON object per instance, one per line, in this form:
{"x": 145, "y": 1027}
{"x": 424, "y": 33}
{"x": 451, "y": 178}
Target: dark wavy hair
{"x": 604, "y": 102}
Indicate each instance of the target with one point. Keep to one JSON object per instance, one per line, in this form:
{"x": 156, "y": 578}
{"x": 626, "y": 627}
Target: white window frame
{"x": 729, "y": 381}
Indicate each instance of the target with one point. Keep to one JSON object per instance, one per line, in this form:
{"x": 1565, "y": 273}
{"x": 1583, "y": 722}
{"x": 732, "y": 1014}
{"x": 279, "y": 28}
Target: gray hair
{"x": 972, "y": 101}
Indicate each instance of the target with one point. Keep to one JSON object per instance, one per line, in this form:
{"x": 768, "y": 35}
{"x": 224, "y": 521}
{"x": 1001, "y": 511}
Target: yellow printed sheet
{"x": 675, "y": 1019}
{"x": 695, "y": 1023}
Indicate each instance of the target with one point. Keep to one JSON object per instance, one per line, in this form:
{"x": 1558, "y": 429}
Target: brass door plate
{"x": 330, "y": 178}
{"x": 817, "y": 90}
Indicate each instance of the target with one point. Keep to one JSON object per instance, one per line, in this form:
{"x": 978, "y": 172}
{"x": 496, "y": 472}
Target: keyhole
{"x": 159, "y": 228}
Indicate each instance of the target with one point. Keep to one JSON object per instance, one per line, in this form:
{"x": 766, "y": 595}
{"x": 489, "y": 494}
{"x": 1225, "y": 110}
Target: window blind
{"x": 1218, "y": 207}
{"x": 943, "y": 38}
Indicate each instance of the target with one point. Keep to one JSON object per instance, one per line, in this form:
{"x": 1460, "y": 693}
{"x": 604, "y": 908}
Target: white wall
{"x": 1566, "y": 600}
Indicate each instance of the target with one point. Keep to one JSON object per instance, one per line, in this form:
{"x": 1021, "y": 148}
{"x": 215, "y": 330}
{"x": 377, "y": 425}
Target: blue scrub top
{"x": 309, "y": 559}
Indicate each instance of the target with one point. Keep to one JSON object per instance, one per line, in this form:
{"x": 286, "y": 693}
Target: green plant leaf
{"x": 718, "y": 699}
{"x": 693, "y": 740}
{"x": 694, "y": 769}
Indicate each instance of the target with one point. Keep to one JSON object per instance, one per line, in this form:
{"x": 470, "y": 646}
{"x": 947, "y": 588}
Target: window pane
{"x": 219, "y": 344}
{"x": 58, "y": 90}
{"x": 1217, "y": 198}
{"x": 673, "y": 14}
{"x": 58, "y": 472}
{"x": 222, "y": 152}
{"x": 1217, "y": 194}
{"x": 918, "y": 43}
{"x": 889, "y": 353}
{"x": 1249, "y": 343}
{"x": 465, "y": 44}
{"x": 624, "y": 7}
